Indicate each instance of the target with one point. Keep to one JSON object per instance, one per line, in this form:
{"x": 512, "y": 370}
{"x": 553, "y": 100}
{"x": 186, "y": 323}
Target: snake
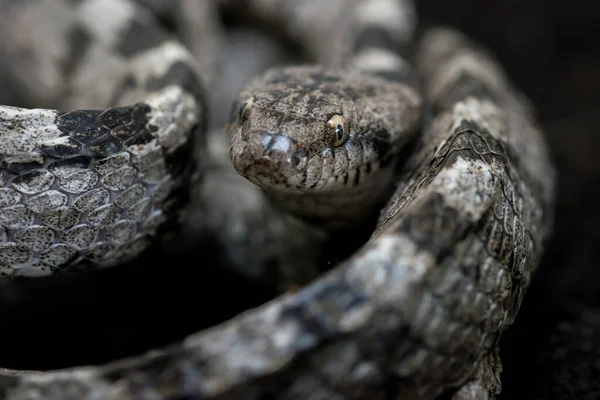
{"x": 416, "y": 312}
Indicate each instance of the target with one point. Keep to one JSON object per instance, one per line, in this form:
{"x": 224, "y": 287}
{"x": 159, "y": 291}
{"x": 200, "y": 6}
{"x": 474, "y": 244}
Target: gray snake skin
{"x": 415, "y": 313}
{"x": 88, "y": 187}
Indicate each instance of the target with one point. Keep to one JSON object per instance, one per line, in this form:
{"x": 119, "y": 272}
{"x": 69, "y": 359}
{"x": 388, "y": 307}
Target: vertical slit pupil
{"x": 339, "y": 132}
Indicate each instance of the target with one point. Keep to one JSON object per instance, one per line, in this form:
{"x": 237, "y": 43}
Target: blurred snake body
{"x": 414, "y": 313}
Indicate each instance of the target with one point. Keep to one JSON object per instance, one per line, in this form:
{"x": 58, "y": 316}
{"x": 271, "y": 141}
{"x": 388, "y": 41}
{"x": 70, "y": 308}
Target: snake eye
{"x": 337, "y": 130}
{"x": 242, "y": 113}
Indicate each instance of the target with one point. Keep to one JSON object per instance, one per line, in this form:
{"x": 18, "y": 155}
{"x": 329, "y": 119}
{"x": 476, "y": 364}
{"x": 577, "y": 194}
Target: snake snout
{"x": 272, "y": 158}
{"x": 287, "y": 155}
{"x": 284, "y": 153}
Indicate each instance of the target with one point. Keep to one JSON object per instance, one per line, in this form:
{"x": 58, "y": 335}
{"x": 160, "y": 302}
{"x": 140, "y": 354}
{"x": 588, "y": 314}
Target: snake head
{"x": 308, "y": 129}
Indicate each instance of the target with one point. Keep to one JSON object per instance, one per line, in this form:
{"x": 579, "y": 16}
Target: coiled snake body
{"x": 416, "y": 311}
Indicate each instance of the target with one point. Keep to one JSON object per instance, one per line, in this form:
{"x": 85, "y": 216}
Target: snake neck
{"x": 343, "y": 208}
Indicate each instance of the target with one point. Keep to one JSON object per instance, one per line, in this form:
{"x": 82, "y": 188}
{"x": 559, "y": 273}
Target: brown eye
{"x": 337, "y": 130}
{"x": 242, "y": 114}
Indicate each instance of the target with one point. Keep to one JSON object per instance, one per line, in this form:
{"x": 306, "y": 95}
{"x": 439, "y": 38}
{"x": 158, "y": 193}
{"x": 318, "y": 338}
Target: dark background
{"x": 551, "y": 50}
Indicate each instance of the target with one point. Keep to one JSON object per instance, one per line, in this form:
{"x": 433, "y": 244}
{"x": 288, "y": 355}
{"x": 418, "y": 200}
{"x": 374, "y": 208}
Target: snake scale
{"x": 415, "y": 313}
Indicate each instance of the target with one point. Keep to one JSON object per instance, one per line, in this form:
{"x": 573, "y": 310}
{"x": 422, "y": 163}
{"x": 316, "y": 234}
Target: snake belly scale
{"x": 415, "y": 313}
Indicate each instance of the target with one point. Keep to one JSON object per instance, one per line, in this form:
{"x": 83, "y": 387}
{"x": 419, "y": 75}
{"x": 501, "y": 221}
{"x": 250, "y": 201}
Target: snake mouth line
{"x": 274, "y": 180}
{"x": 277, "y": 162}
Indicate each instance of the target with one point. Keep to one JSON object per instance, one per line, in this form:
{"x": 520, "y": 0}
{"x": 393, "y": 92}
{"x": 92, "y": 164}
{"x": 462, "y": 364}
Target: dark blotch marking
{"x": 19, "y": 168}
{"x": 8, "y": 123}
{"x": 140, "y": 36}
{"x": 74, "y": 162}
{"x": 386, "y": 161}
{"x": 95, "y": 129}
{"x": 180, "y": 164}
{"x": 79, "y": 124}
{"x": 283, "y": 118}
{"x": 124, "y": 123}
{"x": 8, "y": 383}
{"x": 116, "y": 117}
{"x": 357, "y": 177}
{"x": 380, "y": 142}
{"x": 97, "y": 133}
{"x": 337, "y": 297}
{"x": 64, "y": 150}
{"x": 437, "y": 227}
{"x": 139, "y": 113}
{"x": 106, "y": 146}
{"x": 78, "y": 41}
{"x": 346, "y": 178}
{"x": 368, "y": 167}
{"x": 371, "y": 91}
{"x": 182, "y": 75}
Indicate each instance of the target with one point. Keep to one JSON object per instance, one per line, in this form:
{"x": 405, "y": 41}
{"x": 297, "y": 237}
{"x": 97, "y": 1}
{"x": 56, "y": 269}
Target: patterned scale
{"x": 82, "y": 186}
